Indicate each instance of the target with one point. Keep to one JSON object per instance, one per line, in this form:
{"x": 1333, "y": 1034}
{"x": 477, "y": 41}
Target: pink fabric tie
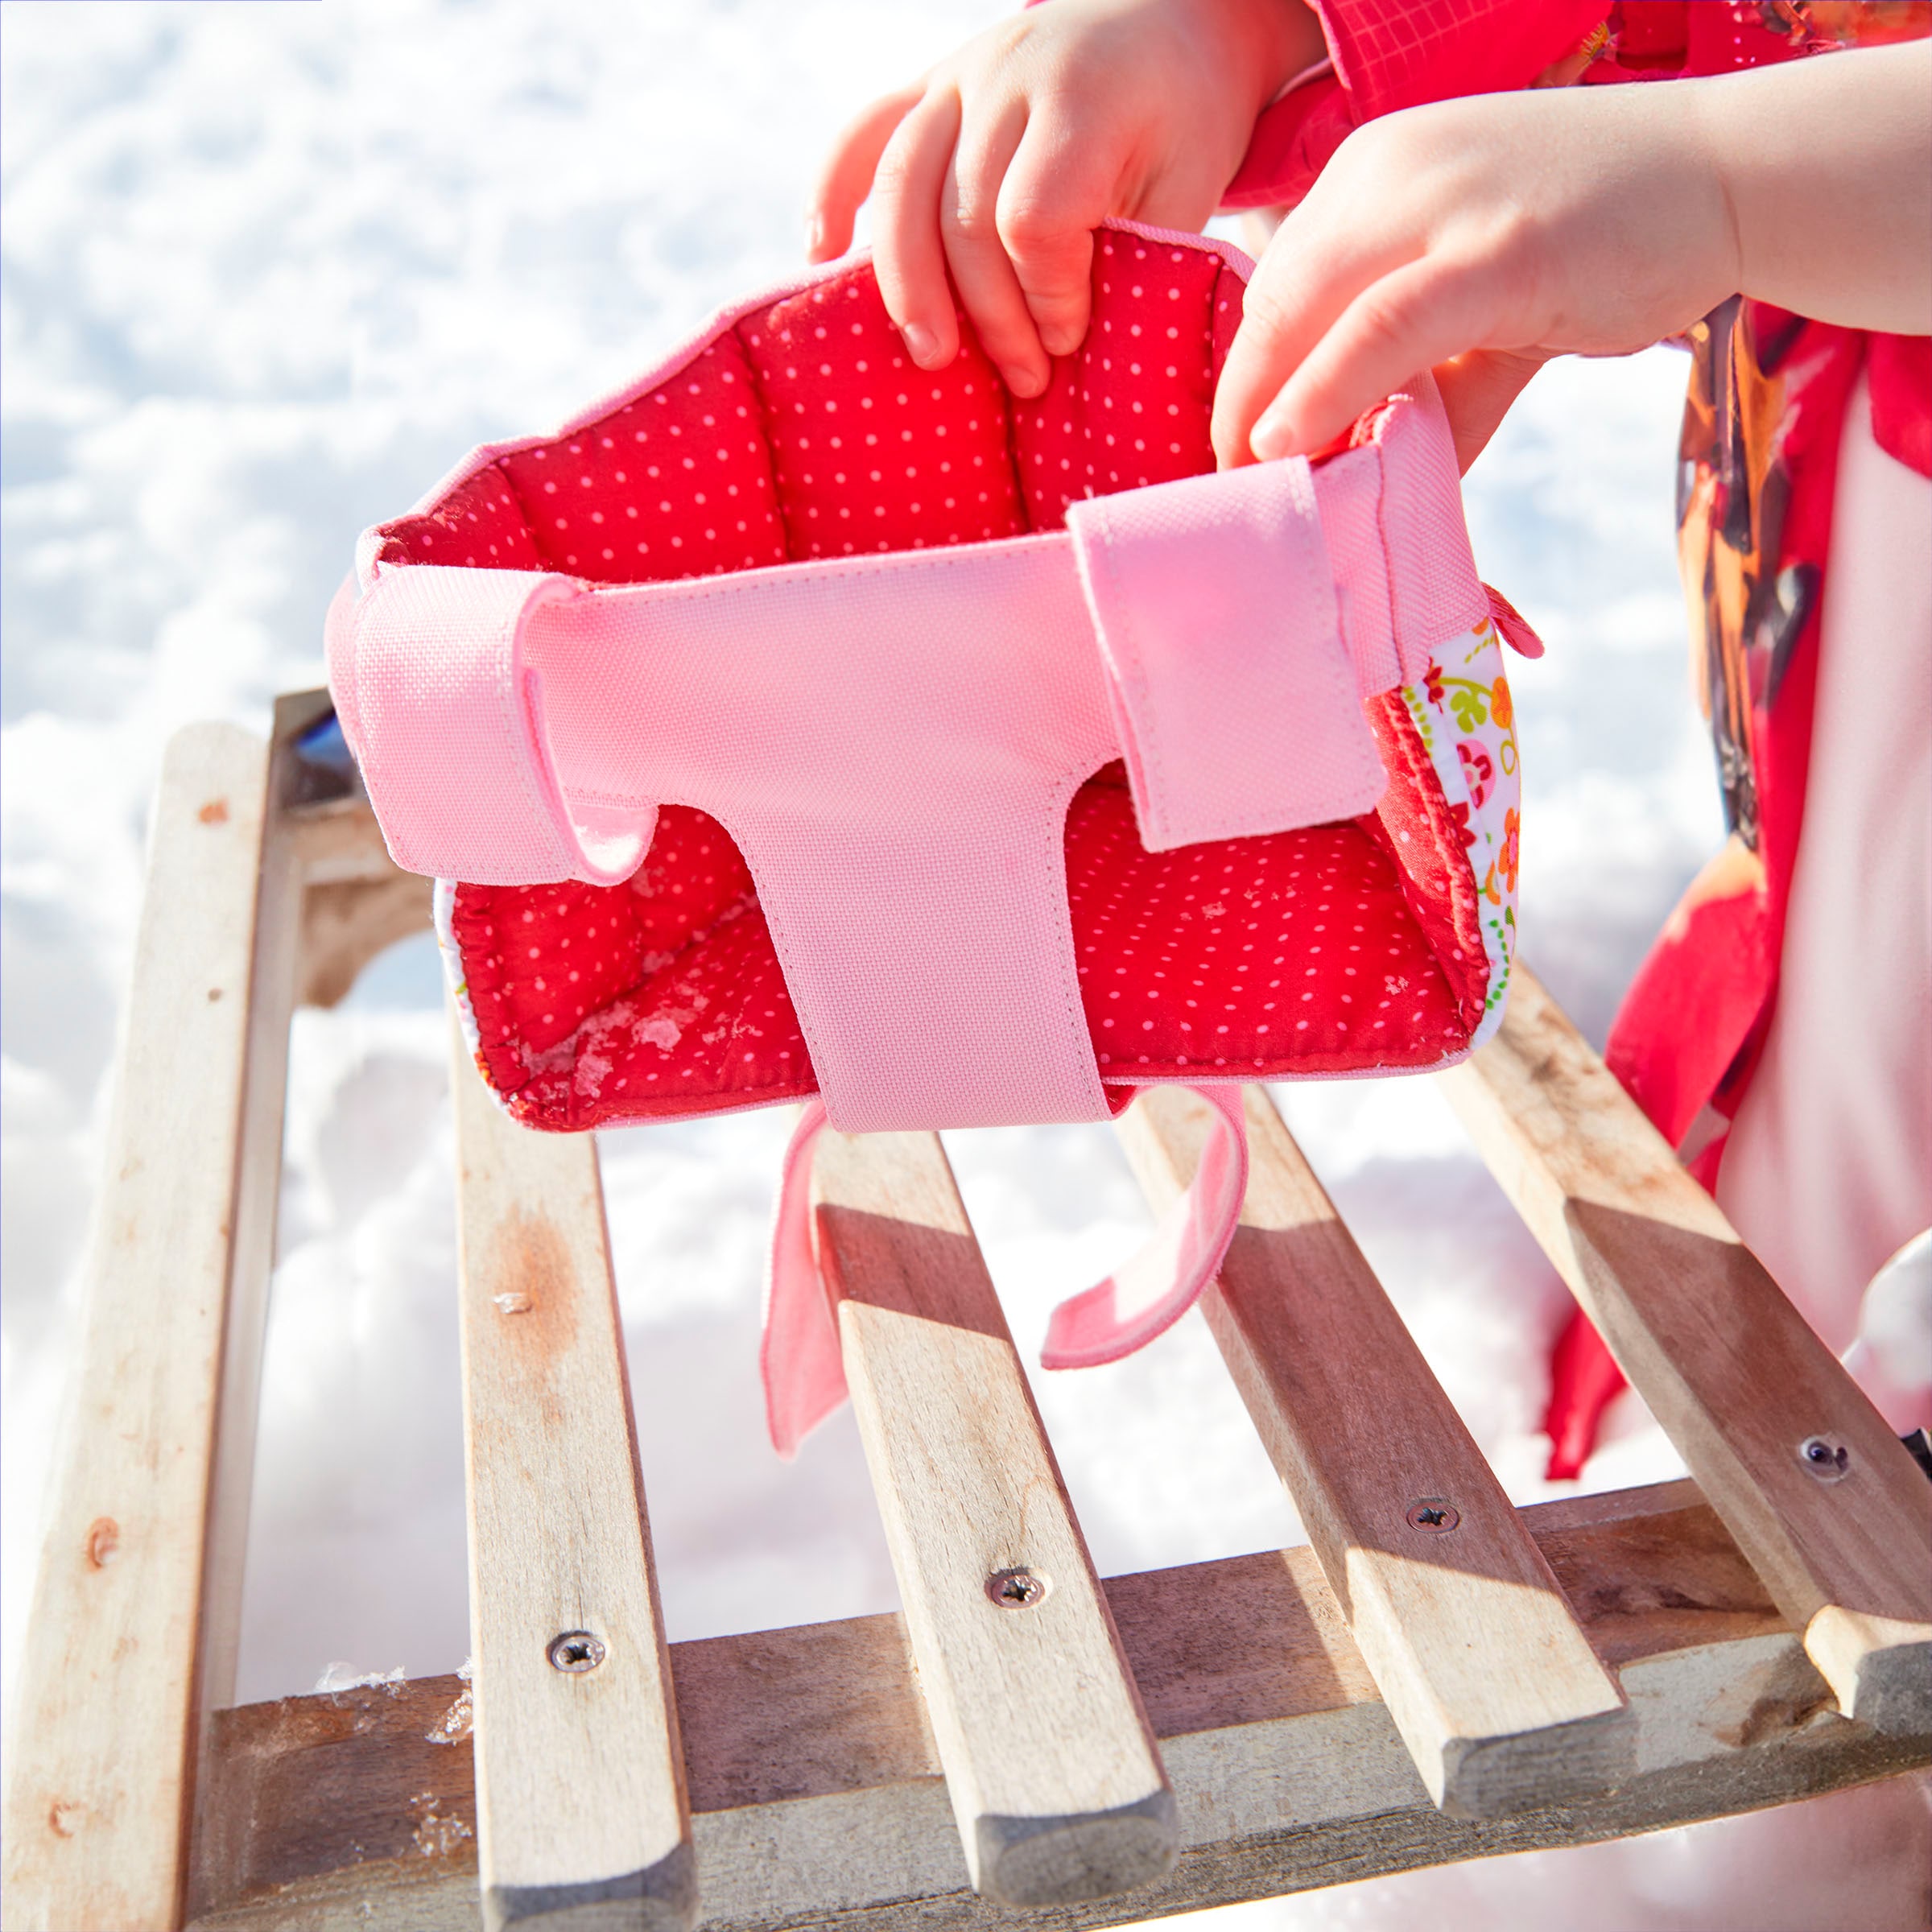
{"x": 804, "y": 1370}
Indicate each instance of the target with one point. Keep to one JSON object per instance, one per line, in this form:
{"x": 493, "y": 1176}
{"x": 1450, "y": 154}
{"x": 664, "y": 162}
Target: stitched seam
{"x": 1074, "y": 1012}
{"x": 767, "y": 423}
{"x": 515, "y": 491}
{"x": 513, "y": 694}
{"x": 1131, "y": 664}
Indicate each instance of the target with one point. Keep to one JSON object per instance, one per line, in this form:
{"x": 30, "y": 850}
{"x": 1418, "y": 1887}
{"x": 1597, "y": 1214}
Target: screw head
{"x": 1826, "y": 1457}
{"x": 1016, "y": 1589}
{"x": 576, "y": 1651}
{"x": 1431, "y": 1513}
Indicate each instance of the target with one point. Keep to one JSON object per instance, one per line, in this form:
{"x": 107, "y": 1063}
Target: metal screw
{"x": 576, "y": 1650}
{"x": 1826, "y": 1457}
{"x": 1016, "y": 1589}
{"x": 1433, "y": 1513}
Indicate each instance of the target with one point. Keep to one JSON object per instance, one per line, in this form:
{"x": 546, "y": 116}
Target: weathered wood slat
{"x": 1495, "y": 1690}
{"x": 114, "y": 1668}
{"x": 280, "y": 910}
{"x": 816, "y": 1786}
{"x": 1727, "y": 1365}
{"x": 1055, "y": 1784}
{"x": 581, "y": 1816}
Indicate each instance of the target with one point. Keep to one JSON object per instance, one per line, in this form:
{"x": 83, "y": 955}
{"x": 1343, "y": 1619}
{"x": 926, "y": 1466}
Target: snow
{"x": 269, "y": 271}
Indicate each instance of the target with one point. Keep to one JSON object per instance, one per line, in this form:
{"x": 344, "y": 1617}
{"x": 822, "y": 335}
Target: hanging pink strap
{"x": 804, "y": 1371}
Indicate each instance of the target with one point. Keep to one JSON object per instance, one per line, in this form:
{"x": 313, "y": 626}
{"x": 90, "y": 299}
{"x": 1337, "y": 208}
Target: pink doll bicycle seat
{"x": 801, "y": 725}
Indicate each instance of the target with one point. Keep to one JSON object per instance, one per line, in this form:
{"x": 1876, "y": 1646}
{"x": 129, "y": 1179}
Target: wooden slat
{"x": 1055, "y": 1784}
{"x": 581, "y": 1813}
{"x": 113, "y": 1673}
{"x": 817, "y": 1791}
{"x": 1727, "y": 1365}
{"x": 280, "y": 906}
{"x": 1501, "y": 1701}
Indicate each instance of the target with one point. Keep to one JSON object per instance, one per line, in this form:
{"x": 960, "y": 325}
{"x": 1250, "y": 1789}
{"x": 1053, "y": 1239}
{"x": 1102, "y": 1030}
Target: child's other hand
{"x": 999, "y": 163}
{"x": 1478, "y": 238}
{"x": 1481, "y": 236}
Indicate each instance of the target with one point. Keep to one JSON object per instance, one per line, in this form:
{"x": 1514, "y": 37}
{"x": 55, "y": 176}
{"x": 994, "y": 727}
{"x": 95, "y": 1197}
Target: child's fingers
{"x": 907, "y": 253}
{"x": 1313, "y": 269}
{"x": 846, "y": 179}
{"x": 1416, "y": 316}
{"x": 969, "y": 225}
{"x": 1477, "y": 390}
{"x": 1056, "y": 192}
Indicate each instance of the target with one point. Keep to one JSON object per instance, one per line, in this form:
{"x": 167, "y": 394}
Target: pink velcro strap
{"x": 800, "y": 1359}
{"x": 1160, "y": 1282}
{"x": 1433, "y": 592}
{"x": 446, "y": 720}
{"x": 1233, "y": 693}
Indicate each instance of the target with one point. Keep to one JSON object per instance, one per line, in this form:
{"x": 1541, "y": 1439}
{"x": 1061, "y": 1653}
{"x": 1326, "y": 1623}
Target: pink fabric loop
{"x": 1164, "y": 1279}
{"x": 800, "y": 1359}
{"x": 445, "y": 715}
{"x": 1233, "y": 693}
{"x": 1513, "y": 625}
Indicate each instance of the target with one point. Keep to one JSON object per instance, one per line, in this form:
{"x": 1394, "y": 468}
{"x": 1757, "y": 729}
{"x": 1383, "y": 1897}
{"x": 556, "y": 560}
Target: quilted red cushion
{"x": 803, "y": 430}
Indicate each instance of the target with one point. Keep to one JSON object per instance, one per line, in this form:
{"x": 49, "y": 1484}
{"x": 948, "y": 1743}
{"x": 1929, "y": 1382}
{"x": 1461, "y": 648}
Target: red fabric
{"x": 1713, "y": 959}
{"x": 1900, "y": 368}
{"x": 1392, "y": 57}
{"x": 804, "y": 432}
{"x": 1387, "y": 58}
{"x": 1583, "y": 1382}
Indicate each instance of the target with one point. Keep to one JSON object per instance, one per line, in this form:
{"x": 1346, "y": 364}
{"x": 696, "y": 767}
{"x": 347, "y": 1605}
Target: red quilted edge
{"x": 796, "y": 427}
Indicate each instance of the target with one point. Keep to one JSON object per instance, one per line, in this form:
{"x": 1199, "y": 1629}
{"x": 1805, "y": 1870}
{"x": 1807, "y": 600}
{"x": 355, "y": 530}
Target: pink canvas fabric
{"x": 892, "y": 740}
{"x": 1214, "y": 603}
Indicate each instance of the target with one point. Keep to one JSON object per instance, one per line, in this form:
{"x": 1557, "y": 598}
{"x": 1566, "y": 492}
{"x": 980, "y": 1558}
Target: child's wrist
{"x": 1282, "y": 40}
{"x": 1709, "y": 159}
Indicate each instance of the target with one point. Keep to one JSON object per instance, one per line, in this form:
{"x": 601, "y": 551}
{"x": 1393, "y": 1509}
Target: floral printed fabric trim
{"x": 1467, "y": 718}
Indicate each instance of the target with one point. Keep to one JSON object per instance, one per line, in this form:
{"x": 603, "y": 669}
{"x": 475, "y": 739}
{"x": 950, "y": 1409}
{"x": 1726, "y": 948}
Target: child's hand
{"x": 1000, "y": 163}
{"x": 1478, "y": 236}
{"x": 1481, "y": 236}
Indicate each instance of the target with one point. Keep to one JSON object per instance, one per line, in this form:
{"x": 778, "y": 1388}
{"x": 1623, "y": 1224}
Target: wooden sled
{"x": 1438, "y": 1676}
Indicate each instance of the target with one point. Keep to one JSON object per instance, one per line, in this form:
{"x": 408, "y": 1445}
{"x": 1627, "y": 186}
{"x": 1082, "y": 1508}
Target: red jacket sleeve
{"x": 1390, "y": 54}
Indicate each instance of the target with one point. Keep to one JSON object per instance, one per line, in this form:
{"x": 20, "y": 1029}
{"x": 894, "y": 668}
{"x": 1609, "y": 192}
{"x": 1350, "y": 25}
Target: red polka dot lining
{"x": 801, "y": 430}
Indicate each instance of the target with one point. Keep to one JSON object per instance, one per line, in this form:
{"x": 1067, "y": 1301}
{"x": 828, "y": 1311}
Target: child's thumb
{"x": 1477, "y": 389}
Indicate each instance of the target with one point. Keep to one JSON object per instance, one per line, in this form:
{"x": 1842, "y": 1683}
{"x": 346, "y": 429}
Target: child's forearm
{"x": 1826, "y": 168}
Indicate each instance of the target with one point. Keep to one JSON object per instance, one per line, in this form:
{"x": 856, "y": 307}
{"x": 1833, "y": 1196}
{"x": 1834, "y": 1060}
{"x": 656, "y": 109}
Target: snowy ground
{"x": 268, "y": 269}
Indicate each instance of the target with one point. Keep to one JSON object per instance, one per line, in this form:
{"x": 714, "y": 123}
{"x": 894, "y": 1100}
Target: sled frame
{"x": 1438, "y": 1675}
